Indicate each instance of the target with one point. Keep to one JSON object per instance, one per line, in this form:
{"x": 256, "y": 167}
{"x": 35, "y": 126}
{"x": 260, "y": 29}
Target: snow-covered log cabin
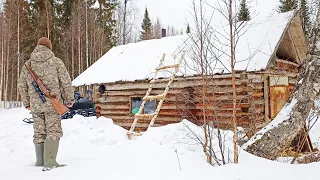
{"x": 268, "y": 57}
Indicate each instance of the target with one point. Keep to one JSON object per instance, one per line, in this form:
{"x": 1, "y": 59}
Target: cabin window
{"x": 149, "y": 107}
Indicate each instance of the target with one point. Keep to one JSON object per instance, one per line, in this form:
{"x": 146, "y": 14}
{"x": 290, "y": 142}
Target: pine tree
{"x": 244, "y": 13}
{"x": 64, "y": 10}
{"x": 106, "y": 21}
{"x": 41, "y": 20}
{"x": 305, "y": 16}
{"x": 188, "y": 29}
{"x": 16, "y": 14}
{"x": 287, "y": 5}
{"x": 147, "y": 29}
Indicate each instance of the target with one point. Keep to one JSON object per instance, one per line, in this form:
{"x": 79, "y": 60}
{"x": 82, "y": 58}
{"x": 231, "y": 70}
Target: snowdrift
{"x": 98, "y": 149}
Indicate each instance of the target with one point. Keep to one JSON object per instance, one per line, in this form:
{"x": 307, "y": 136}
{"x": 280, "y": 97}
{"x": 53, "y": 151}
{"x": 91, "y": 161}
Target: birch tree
{"x": 211, "y": 46}
{"x": 127, "y": 14}
{"x": 157, "y": 29}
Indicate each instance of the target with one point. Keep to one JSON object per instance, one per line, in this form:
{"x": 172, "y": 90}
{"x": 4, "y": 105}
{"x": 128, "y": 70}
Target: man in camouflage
{"x": 47, "y": 122}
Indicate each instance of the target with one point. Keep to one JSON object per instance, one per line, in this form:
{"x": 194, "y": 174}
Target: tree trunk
{"x": 11, "y": 82}
{"x": 72, "y": 53}
{"x": 79, "y": 38}
{"x": 47, "y": 15}
{"x": 2, "y": 53}
{"x": 7, "y": 63}
{"x": 124, "y": 21}
{"x": 18, "y": 49}
{"x": 276, "y": 136}
{"x": 234, "y": 96}
{"x": 87, "y": 38}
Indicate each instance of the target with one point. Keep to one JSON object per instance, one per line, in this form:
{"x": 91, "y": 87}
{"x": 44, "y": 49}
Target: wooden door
{"x": 279, "y": 94}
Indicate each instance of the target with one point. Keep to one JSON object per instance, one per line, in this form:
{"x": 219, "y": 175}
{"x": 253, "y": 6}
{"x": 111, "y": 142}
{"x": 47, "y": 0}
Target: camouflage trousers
{"x": 47, "y": 126}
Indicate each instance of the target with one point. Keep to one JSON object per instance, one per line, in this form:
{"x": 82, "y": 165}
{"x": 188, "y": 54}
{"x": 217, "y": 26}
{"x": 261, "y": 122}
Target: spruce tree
{"x": 105, "y": 20}
{"x": 244, "y": 13}
{"x": 305, "y": 16}
{"x": 64, "y": 10}
{"x": 147, "y": 29}
{"x": 287, "y": 5}
{"x": 188, "y": 29}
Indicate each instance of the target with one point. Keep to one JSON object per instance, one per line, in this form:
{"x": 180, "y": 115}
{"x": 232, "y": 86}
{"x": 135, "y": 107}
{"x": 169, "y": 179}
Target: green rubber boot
{"x": 50, "y": 154}
{"x": 39, "y": 154}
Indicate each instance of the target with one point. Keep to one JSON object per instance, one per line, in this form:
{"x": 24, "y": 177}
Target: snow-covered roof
{"x": 136, "y": 61}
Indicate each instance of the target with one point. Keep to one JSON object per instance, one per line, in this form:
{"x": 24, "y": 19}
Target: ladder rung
{"x": 167, "y": 67}
{"x": 149, "y": 116}
{"x": 130, "y": 134}
{"x": 157, "y": 97}
{"x": 134, "y": 133}
{"x": 160, "y": 80}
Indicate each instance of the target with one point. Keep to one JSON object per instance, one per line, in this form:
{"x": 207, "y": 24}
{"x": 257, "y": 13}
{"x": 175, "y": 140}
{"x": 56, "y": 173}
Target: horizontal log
{"x": 281, "y": 61}
{"x": 141, "y": 92}
{"x": 221, "y": 76}
{"x": 107, "y": 106}
{"x": 175, "y": 84}
{"x": 225, "y": 90}
{"x": 255, "y": 86}
{"x": 257, "y": 102}
{"x": 104, "y": 96}
{"x": 219, "y": 97}
{"x": 257, "y": 117}
{"x": 257, "y": 94}
{"x": 126, "y": 112}
{"x": 221, "y": 113}
{"x": 141, "y": 121}
{"x": 130, "y": 117}
{"x": 221, "y": 102}
{"x": 195, "y": 90}
{"x": 126, "y": 99}
{"x": 255, "y": 76}
{"x": 165, "y": 106}
{"x": 115, "y": 112}
{"x": 212, "y": 98}
{"x": 173, "y": 107}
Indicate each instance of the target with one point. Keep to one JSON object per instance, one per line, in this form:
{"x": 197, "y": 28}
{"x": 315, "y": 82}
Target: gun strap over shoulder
{"x": 37, "y": 80}
{"x": 34, "y": 77}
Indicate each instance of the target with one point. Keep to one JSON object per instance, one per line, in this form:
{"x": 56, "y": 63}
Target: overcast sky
{"x": 179, "y": 13}
{"x": 170, "y": 12}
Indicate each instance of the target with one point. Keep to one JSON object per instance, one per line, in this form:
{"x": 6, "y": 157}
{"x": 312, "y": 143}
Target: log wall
{"x": 184, "y": 99}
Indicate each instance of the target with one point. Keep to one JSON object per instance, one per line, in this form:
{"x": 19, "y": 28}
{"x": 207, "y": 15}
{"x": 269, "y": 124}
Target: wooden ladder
{"x": 159, "y": 97}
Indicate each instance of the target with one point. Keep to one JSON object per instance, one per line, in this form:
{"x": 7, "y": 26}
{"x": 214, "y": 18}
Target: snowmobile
{"x": 81, "y": 106}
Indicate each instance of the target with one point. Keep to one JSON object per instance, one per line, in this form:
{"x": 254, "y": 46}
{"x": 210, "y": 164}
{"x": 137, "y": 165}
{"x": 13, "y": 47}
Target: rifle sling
{"x": 35, "y": 77}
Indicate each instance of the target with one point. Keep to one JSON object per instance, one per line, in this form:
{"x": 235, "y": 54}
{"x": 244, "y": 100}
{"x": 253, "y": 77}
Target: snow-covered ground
{"x": 97, "y": 149}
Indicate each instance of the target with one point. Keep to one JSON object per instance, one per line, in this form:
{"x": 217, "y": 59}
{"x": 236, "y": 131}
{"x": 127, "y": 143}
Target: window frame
{"x": 137, "y": 96}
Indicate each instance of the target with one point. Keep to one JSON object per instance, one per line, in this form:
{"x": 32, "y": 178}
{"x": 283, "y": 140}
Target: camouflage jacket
{"x": 53, "y": 74}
